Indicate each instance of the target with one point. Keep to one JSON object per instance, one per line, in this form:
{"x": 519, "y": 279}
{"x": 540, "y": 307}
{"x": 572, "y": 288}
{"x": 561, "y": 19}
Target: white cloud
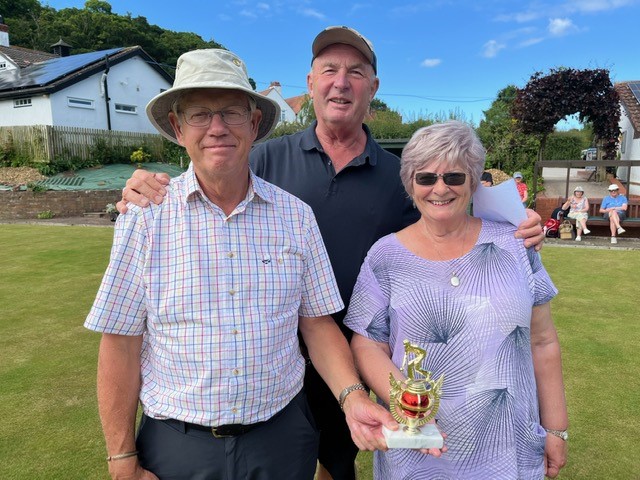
{"x": 561, "y": 26}
{"x": 358, "y": 6}
{"x": 491, "y": 48}
{"x": 430, "y": 62}
{"x": 590, "y": 6}
{"x": 530, "y": 41}
{"x": 538, "y": 10}
{"x": 263, "y": 6}
{"x": 310, "y": 12}
{"x": 248, "y": 13}
{"x": 520, "y": 17}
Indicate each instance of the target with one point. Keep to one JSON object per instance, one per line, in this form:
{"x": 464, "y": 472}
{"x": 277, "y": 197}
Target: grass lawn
{"x": 50, "y": 427}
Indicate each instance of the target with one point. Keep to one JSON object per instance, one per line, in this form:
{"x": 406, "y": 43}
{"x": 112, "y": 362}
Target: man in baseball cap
{"x": 614, "y": 209}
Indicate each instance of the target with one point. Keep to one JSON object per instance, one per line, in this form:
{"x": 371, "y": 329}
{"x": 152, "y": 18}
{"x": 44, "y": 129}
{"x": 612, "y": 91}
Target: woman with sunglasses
{"x": 471, "y": 295}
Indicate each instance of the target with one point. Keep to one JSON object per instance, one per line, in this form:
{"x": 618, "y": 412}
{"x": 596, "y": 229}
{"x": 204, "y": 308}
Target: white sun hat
{"x": 210, "y": 68}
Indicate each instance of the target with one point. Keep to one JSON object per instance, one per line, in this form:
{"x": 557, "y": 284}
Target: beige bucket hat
{"x": 210, "y": 68}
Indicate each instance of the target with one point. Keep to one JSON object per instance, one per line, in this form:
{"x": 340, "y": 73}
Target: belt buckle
{"x": 227, "y": 431}
{"x": 218, "y": 432}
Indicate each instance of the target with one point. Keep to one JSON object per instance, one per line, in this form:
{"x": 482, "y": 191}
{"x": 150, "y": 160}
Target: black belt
{"x": 222, "y": 431}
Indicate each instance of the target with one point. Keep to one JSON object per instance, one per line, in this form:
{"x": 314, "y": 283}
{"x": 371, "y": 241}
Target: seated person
{"x": 614, "y": 209}
{"x": 579, "y": 211}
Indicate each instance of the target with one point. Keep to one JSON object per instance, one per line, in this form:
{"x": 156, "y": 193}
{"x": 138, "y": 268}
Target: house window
{"x": 3, "y": 65}
{"x": 122, "y": 108}
{"x": 623, "y": 142}
{"x": 283, "y": 116}
{"x": 22, "y": 102}
{"x": 79, "y": 102}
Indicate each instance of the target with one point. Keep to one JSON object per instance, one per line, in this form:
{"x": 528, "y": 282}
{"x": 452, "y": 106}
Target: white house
{"x": 629, "y": 93}
{"x": 105, "y": 90}
{"x": 274, "y": 92}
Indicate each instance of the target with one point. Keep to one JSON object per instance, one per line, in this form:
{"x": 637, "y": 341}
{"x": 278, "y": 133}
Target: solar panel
{"x": 635, "y": 89}
{"x": 45, "y": 72}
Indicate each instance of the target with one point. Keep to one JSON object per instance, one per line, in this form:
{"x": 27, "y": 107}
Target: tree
{"x": 546, "y": 99}
{"x": 98, "y": 6}
{"x": 18, "y": 8}
{"x": 307, "y": 114}
{"x": 378, "y": 105}
{"x": 507, "y": 147}
{"x": 93, "y": 28}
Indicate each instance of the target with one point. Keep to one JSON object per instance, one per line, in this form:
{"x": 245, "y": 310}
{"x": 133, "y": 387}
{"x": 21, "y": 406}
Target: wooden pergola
{"x": 569, "y": 164}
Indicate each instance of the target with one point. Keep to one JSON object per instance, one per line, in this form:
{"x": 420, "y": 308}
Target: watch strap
{"x": 345, "y": 393}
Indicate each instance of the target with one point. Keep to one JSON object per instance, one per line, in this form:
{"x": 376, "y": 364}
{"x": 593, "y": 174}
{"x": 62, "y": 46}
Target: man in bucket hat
{"x": 353, "y": 187}
{"x": 202, "y": 300}
{"x": 614, "y": 209}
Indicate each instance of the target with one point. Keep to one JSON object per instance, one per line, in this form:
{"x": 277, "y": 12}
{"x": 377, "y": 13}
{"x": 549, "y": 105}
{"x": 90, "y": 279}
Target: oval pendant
{"x": 455, "y": 281}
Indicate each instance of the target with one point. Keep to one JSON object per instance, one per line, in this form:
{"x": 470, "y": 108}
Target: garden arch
{"x": 547, "y": 99}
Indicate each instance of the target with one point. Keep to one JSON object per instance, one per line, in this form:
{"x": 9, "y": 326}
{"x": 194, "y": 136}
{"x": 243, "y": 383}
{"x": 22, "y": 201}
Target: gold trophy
{"x": 414, "y": 402}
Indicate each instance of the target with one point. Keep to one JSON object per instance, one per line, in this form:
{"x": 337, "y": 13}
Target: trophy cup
{"x": 414, "y": 402}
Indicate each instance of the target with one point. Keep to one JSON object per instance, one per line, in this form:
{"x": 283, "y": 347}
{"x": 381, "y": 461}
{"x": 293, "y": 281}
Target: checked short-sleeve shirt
{"x": 217, "y": 299}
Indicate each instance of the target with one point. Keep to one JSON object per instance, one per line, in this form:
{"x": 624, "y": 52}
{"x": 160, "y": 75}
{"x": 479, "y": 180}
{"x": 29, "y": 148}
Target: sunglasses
{"x": 450, "y": 178}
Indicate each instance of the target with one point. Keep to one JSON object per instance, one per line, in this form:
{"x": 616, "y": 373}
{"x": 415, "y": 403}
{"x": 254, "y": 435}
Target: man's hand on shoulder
{"x": 531, "y": 230}
{"x": 142, "y": 188}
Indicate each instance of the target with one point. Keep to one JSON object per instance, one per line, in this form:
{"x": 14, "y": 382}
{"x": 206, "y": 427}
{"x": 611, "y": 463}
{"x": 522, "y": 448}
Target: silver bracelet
{"x": 345, "y": 393}
{"x": 120, "y": 456}
{"x": 558, "y": 433}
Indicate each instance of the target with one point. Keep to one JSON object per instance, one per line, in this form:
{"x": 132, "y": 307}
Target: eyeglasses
{"x": 202, "y": 116}
{"x": 450, "y": 178}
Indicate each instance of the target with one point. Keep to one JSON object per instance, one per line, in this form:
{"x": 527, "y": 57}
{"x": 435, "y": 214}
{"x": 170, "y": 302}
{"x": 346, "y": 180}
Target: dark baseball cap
{"x": 346, "y": 36}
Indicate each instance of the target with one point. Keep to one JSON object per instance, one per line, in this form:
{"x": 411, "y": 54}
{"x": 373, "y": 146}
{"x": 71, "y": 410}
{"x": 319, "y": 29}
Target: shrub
{"x": 174, "y": 153}
{"x": 45, "y": 214}
{"x": 141, "y": 155}
{"x": 36, "y": 187}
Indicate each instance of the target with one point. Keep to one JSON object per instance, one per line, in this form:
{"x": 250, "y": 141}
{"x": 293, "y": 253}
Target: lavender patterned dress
{"x": 478, "y": 335}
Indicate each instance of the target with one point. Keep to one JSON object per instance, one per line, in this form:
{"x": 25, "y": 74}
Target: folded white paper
{"x": 500, "y": 203}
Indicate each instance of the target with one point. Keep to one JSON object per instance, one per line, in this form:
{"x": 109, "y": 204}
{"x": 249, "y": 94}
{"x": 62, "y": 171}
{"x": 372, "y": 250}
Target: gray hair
{"x": 453, "y": 143}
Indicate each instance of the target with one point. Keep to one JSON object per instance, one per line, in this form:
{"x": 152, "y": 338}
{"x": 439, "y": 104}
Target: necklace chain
{"x": 455, "y": 279}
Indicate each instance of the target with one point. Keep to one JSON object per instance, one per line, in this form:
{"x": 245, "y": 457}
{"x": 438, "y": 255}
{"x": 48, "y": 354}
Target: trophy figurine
{"x": 414, "y": 402}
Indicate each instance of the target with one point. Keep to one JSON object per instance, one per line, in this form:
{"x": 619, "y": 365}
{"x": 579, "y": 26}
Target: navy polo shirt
{"x": 354, "y": 208}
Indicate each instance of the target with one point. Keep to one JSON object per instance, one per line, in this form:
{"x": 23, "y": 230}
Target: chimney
{"x": 4, "y": 33}
{"x": 61, "y": 48}
{"x": 276, "y": 86}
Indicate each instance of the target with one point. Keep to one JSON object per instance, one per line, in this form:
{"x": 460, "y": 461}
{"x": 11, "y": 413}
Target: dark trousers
{"x": 284, "y": 447}
{"x": 337, "y": 452}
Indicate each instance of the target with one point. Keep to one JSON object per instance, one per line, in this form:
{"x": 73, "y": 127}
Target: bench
{"x": 595, "y": 217}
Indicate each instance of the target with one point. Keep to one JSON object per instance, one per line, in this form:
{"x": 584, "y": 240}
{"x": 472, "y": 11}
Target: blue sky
{"x": 434, "y": 56}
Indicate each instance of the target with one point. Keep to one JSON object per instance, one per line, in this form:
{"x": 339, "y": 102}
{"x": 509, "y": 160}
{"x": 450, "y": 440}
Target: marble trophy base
{"x": 429, "y": 437}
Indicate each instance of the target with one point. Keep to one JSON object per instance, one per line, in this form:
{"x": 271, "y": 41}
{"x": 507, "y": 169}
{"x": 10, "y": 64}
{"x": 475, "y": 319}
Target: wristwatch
{"x": 345, "y": 393}
{"x": 558, "y": 433}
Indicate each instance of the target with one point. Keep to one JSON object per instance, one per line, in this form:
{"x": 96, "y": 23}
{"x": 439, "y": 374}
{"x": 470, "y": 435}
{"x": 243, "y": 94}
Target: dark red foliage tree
{"x": 546, "y": 99}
